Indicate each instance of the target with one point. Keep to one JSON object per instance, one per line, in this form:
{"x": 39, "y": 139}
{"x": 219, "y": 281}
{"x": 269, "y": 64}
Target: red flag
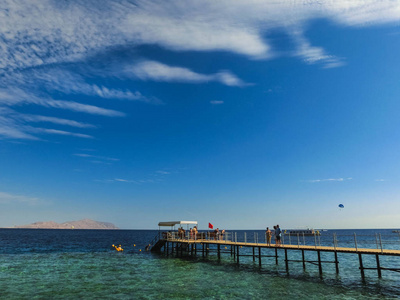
{"x": 210, "y": 225}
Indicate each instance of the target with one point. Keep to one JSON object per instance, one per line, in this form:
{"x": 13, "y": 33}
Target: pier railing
{"x": 376, "y": 241}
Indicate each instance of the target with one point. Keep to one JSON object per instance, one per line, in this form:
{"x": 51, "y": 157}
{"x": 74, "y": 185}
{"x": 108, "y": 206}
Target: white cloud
{"x": 119, "y": 180}
{"x": 13, "y": 125}
{"x": 61, "y": 132}
{"x": 11, "y": 129}
{"x": 329, "y": 179}
{"x": 152, "y": 70}
{"x": 14, "y": 96}
{"x": 96, "y": 157}
{"x": 163, "y": 172}
{"x": 314, "y": 55}
{"x": 53, "y": 79}
{"x": 6, "y": 198}
{"x": 216, "y": 102}
{"x": 37, "y": 118}
{"x": 48, "y": 32}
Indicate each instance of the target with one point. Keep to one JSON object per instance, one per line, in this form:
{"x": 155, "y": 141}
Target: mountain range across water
{"x": 81, "y": 224}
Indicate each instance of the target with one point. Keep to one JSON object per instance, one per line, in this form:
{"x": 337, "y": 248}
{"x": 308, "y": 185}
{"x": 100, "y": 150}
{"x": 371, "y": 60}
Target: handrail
{"x": 335, "y": 240}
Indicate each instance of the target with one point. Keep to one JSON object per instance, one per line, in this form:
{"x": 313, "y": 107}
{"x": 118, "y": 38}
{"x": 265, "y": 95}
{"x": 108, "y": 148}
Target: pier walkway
{"x": 171, "y": 243}
{"x": 292, "y": 247}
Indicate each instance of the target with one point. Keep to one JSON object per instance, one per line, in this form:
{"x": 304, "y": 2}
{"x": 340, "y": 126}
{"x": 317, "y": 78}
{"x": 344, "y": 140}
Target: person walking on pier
{"x": 268, "y": 235}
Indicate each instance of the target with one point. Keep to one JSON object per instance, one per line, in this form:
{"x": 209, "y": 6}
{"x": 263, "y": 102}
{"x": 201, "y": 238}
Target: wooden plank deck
{"x": 292, "y": 247}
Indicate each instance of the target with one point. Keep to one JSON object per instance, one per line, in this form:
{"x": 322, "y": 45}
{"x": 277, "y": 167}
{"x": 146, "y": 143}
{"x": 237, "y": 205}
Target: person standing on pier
{"x": 278, "y": 235}
{"x": 195, "y": 232}
{"x": 216, "y": 234}
{"x": 268, "y": 235}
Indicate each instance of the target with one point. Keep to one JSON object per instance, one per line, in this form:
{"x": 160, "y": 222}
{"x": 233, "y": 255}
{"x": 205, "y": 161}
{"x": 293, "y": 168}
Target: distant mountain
{"x": 82, "y": 224}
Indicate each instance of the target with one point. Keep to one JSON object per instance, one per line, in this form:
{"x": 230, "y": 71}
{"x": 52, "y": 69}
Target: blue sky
{"x": 244, "y": 114}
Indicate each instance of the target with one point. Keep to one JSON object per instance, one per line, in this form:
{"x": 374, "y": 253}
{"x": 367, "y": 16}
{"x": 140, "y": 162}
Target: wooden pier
{"x": 193, "y": 246}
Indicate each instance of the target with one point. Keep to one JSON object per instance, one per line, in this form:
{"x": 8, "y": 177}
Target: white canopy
{"x": 173, "y": 223}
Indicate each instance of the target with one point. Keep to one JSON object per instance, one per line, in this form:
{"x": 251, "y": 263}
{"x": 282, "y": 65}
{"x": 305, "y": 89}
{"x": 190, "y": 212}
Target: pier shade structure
{"x": 253, "y": 245}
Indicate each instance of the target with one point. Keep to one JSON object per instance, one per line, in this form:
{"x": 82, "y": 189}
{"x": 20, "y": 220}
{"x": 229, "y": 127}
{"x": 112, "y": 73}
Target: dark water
{"x": 75, "y": 264}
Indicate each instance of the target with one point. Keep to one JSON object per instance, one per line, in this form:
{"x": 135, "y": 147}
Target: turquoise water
{"x": 74, "y": 264}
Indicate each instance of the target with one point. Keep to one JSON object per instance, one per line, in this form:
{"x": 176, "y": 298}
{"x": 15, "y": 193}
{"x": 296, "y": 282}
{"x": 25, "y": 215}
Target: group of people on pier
{"x": 192, "y": 232}
{"x": 219, "y": 235}
{"x": 277, "y": 234}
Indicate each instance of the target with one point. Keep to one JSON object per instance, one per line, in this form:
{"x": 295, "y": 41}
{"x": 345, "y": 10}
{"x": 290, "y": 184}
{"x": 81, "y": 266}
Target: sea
{"x": 82, "y": 264}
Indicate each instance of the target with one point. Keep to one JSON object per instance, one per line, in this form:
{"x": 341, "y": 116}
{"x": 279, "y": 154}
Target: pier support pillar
{"x": 361, "y": 266}
{"x": 276, "y": 255}
{"x": 203, "y": 249}
{"x": 237, "y": 254}
{"x": 259, "y": 256}
{"x": 219, "y": 251}
{"x": 254, "y": 254}
{"x": 336, "y": 263}
{"x": 319, "y": 262}
{"x": 378, "y": 266}
{"x": 304, "y": 260}
{"x": 286, "y": 261}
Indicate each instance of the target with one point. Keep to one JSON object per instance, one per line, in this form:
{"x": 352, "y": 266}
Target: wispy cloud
{"x": 329, "y": 179}
{"x": 38, "y": 118}
{"x": 161, "y": 172}
{"x": 152, "y": 70}
{"x": 216, "y": 102}
{"x": 67, "y": 82}
{"x": 84, "y": 155}
{"x": 14, "y": 96}
{"x": 62, "y": 132}
{"x": 6, "y": 198}
{"x": 38, "y": 39}
{"x": 120, "y": 180}
{"x": 14, "y": 125}
{"x": 37, "y": 34}
{"x": 314, "y": 55}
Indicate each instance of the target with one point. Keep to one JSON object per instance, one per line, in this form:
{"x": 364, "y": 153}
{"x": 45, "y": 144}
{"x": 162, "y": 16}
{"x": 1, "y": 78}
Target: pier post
{"x": 207, "y": 248}
{"x": 259, "y": 256}
{"x": 336, "y": 263}
{"x": 203, "y": 249}
{"x": 234, "y": 251}
{"x": 378, "y": 266}
{"x": 237, "y": 254}
{"x": 231, "y": 250}
{"x": 254, "y": 254}
{"x": 361, "y": 265}
{"x": 304, "y": 261}
{"x": 219, "y": 251}
{"x": 276, "y": 255}
{"x": 286, "y": 261}
{"x": 319, "y": 262}
{"x": 191, "y": 249}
